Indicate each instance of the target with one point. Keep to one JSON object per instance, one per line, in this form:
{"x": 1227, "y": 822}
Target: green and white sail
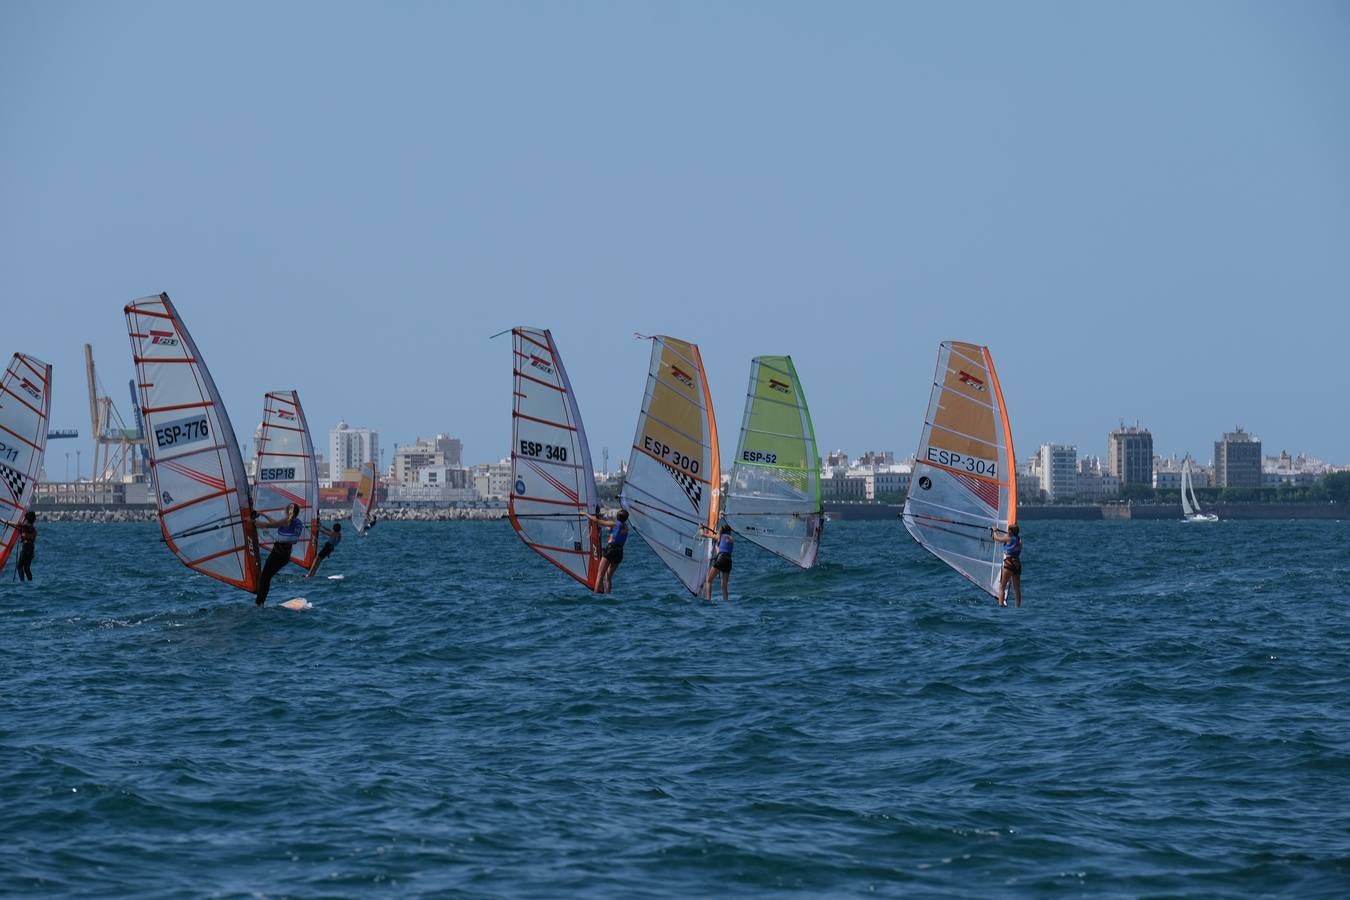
{"x": 774, "y": 497}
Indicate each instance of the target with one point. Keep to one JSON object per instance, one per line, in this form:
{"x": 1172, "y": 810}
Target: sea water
{"x": 1167, "y": 715}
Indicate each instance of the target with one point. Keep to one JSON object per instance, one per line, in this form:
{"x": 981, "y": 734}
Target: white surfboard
{"x": 336, "y": 577}
{"x": 297, "y": 603}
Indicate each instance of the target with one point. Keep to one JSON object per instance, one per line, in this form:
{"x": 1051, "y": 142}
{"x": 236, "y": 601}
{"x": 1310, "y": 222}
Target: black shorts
{"x": 327, "y": 550}
{"x": 723, "y": 563}
{"x": 614, "y": 553}
{"x": 1013, "y": 564}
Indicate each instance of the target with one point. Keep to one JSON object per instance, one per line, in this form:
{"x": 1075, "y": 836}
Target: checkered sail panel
{"x": 25, "y": 403}
{"x": 671, "y": 490}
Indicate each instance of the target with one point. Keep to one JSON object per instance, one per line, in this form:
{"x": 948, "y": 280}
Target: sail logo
{"x": 286, "y": 414}
{"x": 33, "y": 390}
{"x": 163, "y": 338}
{"x": 682, "y": 376}
{"x": 779, "y": 386}
{"x": 541, "y": 364}
{"x": 280, "y": 473}
{"x": 971, "y": 380}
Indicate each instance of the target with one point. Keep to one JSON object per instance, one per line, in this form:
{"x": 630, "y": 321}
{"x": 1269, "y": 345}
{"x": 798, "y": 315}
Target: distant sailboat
{"x": 964, "y": 479}
{"x": 365, "y": 498}
{"x": 774, "y": 495}
{"x": 672, "y": 490}
{"x": 25, "y": 403}
{"x": 1190, "y": 506}
{"x": 201, "y": 490}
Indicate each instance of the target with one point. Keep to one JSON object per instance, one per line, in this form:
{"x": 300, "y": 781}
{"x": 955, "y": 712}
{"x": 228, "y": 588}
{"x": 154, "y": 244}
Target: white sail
{"x": 198, "y": 474}
{"x": 286, "y": 472}
{"x": 774, "y": 495}
{"x": 552, "y": 479}
{"x": 964, "y": 480}
{"x": 672, "y": 487}
{"x": 1186, "y": 490}
{"x": 25, "y": 404}
{"x": 364, "y": 501}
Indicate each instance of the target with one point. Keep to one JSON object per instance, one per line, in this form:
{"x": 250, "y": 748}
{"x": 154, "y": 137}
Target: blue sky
{"x": 1143, "y": 208}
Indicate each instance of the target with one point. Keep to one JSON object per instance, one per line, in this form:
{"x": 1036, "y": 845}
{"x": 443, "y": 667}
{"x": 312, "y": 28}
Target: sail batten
{"x": 964, "y": 480}
{"x": 27, "y": 380}
{"x": 774, "y": 499}
{"x": 202, "y": 493}
{"x": 551, "y": 461}
{"x": 672, "y": 490}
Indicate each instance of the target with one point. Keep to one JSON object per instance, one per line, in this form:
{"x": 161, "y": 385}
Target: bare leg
{"x": 1003, "y": 587}
{"x": 1017, "y": 588}
{"x": 603, "y": 578}
{"x": 726, "y": 578}
{"x": 707, "y": 584}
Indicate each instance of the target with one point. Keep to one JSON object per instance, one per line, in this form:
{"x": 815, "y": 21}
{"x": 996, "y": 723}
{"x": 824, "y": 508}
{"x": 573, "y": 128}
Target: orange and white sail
{"x": 25, "y": 404}
{"x": 965, "y": 473}
{"x": 552, "y": 479}
{"x": 364, "y": 501}
{"x": 201, "y": 488}
{"x": 286, "y": 472}
{"x": 673, "y": 487}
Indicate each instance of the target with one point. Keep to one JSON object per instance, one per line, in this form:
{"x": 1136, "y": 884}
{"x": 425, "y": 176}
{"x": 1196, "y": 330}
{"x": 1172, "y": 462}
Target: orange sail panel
{"x": 286, "y": 472}
{"x": 965, "y": 472}
{"x": 552, "y": 479}
{"x": 200, "y": 485}
{"x": 25, "y": 404}
{"x": 673, "y": 487}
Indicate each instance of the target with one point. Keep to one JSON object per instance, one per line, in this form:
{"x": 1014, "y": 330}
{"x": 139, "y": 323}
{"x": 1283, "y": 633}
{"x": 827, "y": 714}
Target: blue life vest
{"x": 1013, "y": 547}
{"x": 724, "y": 544}
{"x": 618, "y": 534}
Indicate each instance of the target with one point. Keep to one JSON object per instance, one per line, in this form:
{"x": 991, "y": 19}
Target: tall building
{"x": 1059, "y": 471}
{"x": 1129, "y": 456}
{"x": 350, "y": 449}
{"x": 1237, "y": 460}
{"x": 452, "y": 447}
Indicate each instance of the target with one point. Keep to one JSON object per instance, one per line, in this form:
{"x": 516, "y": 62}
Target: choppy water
{"x": 1167, "y": 716}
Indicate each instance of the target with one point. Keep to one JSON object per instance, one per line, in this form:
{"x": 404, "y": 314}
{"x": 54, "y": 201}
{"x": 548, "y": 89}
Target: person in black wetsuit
{"x": 1012, "y": 563}
{"x": 613, "y": 555}
{"x": 721, "y": 563}
{"x": 27, "y": 538}
{"x": 289, "y": 530}
{"x": 334, "y": 536}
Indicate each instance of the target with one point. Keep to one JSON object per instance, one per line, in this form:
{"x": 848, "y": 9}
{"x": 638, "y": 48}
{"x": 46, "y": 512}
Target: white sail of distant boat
{"x": 25, "y": 404}
{"x": 774, "y": 495}
{"x": 364, "y": 501}
{"x": 552, "y": 479}
{"x": 672, "y": 490}
{"x": 1190, "y": 504}
{"x": 201, "y": 488}
{"x": 286, "y": 472}
{"x": 965, "y": 476}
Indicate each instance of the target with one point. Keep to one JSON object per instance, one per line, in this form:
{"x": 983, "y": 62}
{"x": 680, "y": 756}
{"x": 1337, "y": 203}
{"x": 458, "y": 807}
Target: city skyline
{"x": 1141, "y": 222}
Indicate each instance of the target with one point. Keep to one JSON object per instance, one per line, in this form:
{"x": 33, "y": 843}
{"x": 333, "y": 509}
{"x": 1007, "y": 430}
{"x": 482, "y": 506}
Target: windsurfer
{"x": 288, "y": 530}
{"x": 613, "y": 555}
{"x": 334, "y": 536}
{"x": 722, "y": 562}
{"x": 27, "y": 539}
{"x": 1012, "y": 563}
